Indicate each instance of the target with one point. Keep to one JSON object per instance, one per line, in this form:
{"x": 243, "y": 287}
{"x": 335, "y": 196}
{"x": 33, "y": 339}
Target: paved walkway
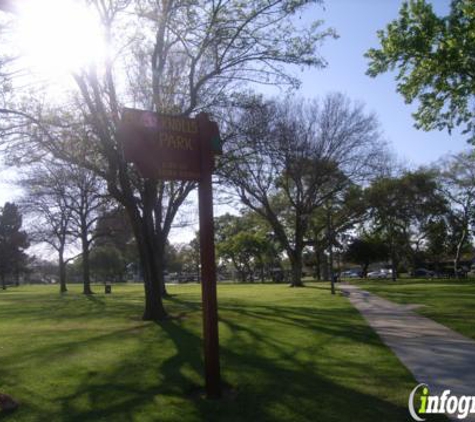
{"x": 436, "y": 355}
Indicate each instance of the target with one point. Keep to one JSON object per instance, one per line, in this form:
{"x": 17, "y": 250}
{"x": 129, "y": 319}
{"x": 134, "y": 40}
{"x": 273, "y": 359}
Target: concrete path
{"x": 436, "y": 355}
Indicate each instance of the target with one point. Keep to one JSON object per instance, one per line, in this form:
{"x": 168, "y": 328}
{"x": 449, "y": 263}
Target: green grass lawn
{"x": 289, "y": 355}
{"x": 450, "y": 302}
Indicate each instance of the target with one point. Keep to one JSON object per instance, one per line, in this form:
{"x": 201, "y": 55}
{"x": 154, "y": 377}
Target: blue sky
{"x": 357, "y": 22}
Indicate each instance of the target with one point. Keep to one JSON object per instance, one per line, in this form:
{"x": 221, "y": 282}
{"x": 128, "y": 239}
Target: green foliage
{"x": 435, "y": 63}
{"x": 447, "y": 239}
{"x": 456, "y": 179}
{"x": 189, "y": 256}
{"x": 113, "y": 230}
{"x": 437, "y": 240}
{"x": 13, "y": 242}
{"x": 173, "y": 259}
{"x": 342, "y": 212}
{"x": 245, "y": 242}
{"x": 366, "y": 250}
{"x": 107, "y": 263}
{"x": 401, "y": 209}
{"x": 404, "y": 200}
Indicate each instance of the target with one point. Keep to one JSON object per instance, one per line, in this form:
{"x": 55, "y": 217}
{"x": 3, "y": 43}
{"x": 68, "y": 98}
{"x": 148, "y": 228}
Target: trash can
{"x": 108, "y": 288}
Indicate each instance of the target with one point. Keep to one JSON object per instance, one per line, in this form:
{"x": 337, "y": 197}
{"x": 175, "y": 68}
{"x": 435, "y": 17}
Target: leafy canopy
{"x": 435, "y": 63}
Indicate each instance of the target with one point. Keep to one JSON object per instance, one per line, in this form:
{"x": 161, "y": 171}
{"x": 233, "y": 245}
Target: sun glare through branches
{"x": 57, "y": 37}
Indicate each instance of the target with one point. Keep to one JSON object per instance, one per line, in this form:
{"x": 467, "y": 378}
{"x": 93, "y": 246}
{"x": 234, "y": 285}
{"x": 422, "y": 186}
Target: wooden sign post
{"x": 177, "y": 148}
{"x": 208, "y": 262}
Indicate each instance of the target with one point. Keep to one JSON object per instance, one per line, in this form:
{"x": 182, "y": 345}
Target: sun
{"x": 59, "y": 36}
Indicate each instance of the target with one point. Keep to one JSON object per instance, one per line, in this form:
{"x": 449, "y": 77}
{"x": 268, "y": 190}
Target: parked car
{"x": 351, "y": 274}
{"x": 188, "y": 277}
{"x": 448, "y": 272}
{"x": 422, "y": 273}
{"x": 378, "y": 274}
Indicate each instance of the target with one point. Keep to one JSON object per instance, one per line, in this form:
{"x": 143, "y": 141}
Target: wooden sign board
{"x": 165, "y": 147}
{"x": 178, "y": 148}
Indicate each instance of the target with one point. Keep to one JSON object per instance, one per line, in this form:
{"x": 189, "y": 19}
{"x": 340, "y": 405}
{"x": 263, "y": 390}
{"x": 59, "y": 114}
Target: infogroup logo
{"x": 439, "y": 404}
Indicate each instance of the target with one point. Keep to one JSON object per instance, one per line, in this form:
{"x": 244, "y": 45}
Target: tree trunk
{"x": 365, "y": 269}
{"x": 154, "y": 309}
{"x": 393, "y": 267}
{"x": 330, "y": 264}
{"x": 318, "y": 264}
{"x": 295, "y": 255}
{"x": 330, "y": 251}
{"x": 238, "y": 269}
{"x": 144, "y": 234}
{"x": 249, "y": 272}
{"x": 459, "y": 252}
{"x": 85, "y": 264}
{"x": 262, "y": 273}
{"x": 62, "y": 272}
{"x": 296, "y": 264}
{"x": 392, "y": 253}
{"x": 325, "y": 272}
{"x": 394, "y": 271}
{"x": 4, "y": 286}
{"x": 142, "y": 221}
{"x": 160, "y": 263}
{"x": 242, "y": 275}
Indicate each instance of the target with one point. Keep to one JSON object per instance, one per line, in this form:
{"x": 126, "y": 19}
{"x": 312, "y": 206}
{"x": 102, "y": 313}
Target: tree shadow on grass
{"x": 73, "y": 307}
{"x": 147, "y": 385}
{"x": 330, "y": 322}
{"x": 95, "y": 299}
{"x": 268, "y": 390}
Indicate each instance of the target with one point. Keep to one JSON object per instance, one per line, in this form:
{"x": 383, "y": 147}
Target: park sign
{"x": 179, "y": 148}
{"x": 167, "y": 147}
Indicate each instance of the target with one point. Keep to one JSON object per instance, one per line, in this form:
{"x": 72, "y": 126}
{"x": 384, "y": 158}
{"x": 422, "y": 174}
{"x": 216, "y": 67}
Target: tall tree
{"x": 13, "y": 242}
{"x": 435, "y": 64}
{"x": 291, "y": 157}
{"x": 401, "y": 208}
{"x": 180, "y": 57}
{"x": 47, "y": 203}
{"x": 332, "y": 221}
{"x": 367, "y": 249}
{"x": 113, "y": 230}
{"x": 438, "y": 241}
{"x": 107, "y": 262}
{"x": 85, "y": 195}
{"x": 77, "y": 199}
{"x": 457, "y": 183}
{"x": 190, "y": 256}
{"x": 243, "y": 240}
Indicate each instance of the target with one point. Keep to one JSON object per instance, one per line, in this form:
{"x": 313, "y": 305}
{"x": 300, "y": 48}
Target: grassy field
{"x": 288, "y": 355}
{"x": 450, "y": 302}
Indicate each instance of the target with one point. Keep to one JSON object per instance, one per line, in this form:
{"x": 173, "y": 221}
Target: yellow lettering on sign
{"x": 172, "y": 141}
{"x": 153, "y": 120}
{"x": 176, "y": 124}
{"x": 129, "y": 117}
